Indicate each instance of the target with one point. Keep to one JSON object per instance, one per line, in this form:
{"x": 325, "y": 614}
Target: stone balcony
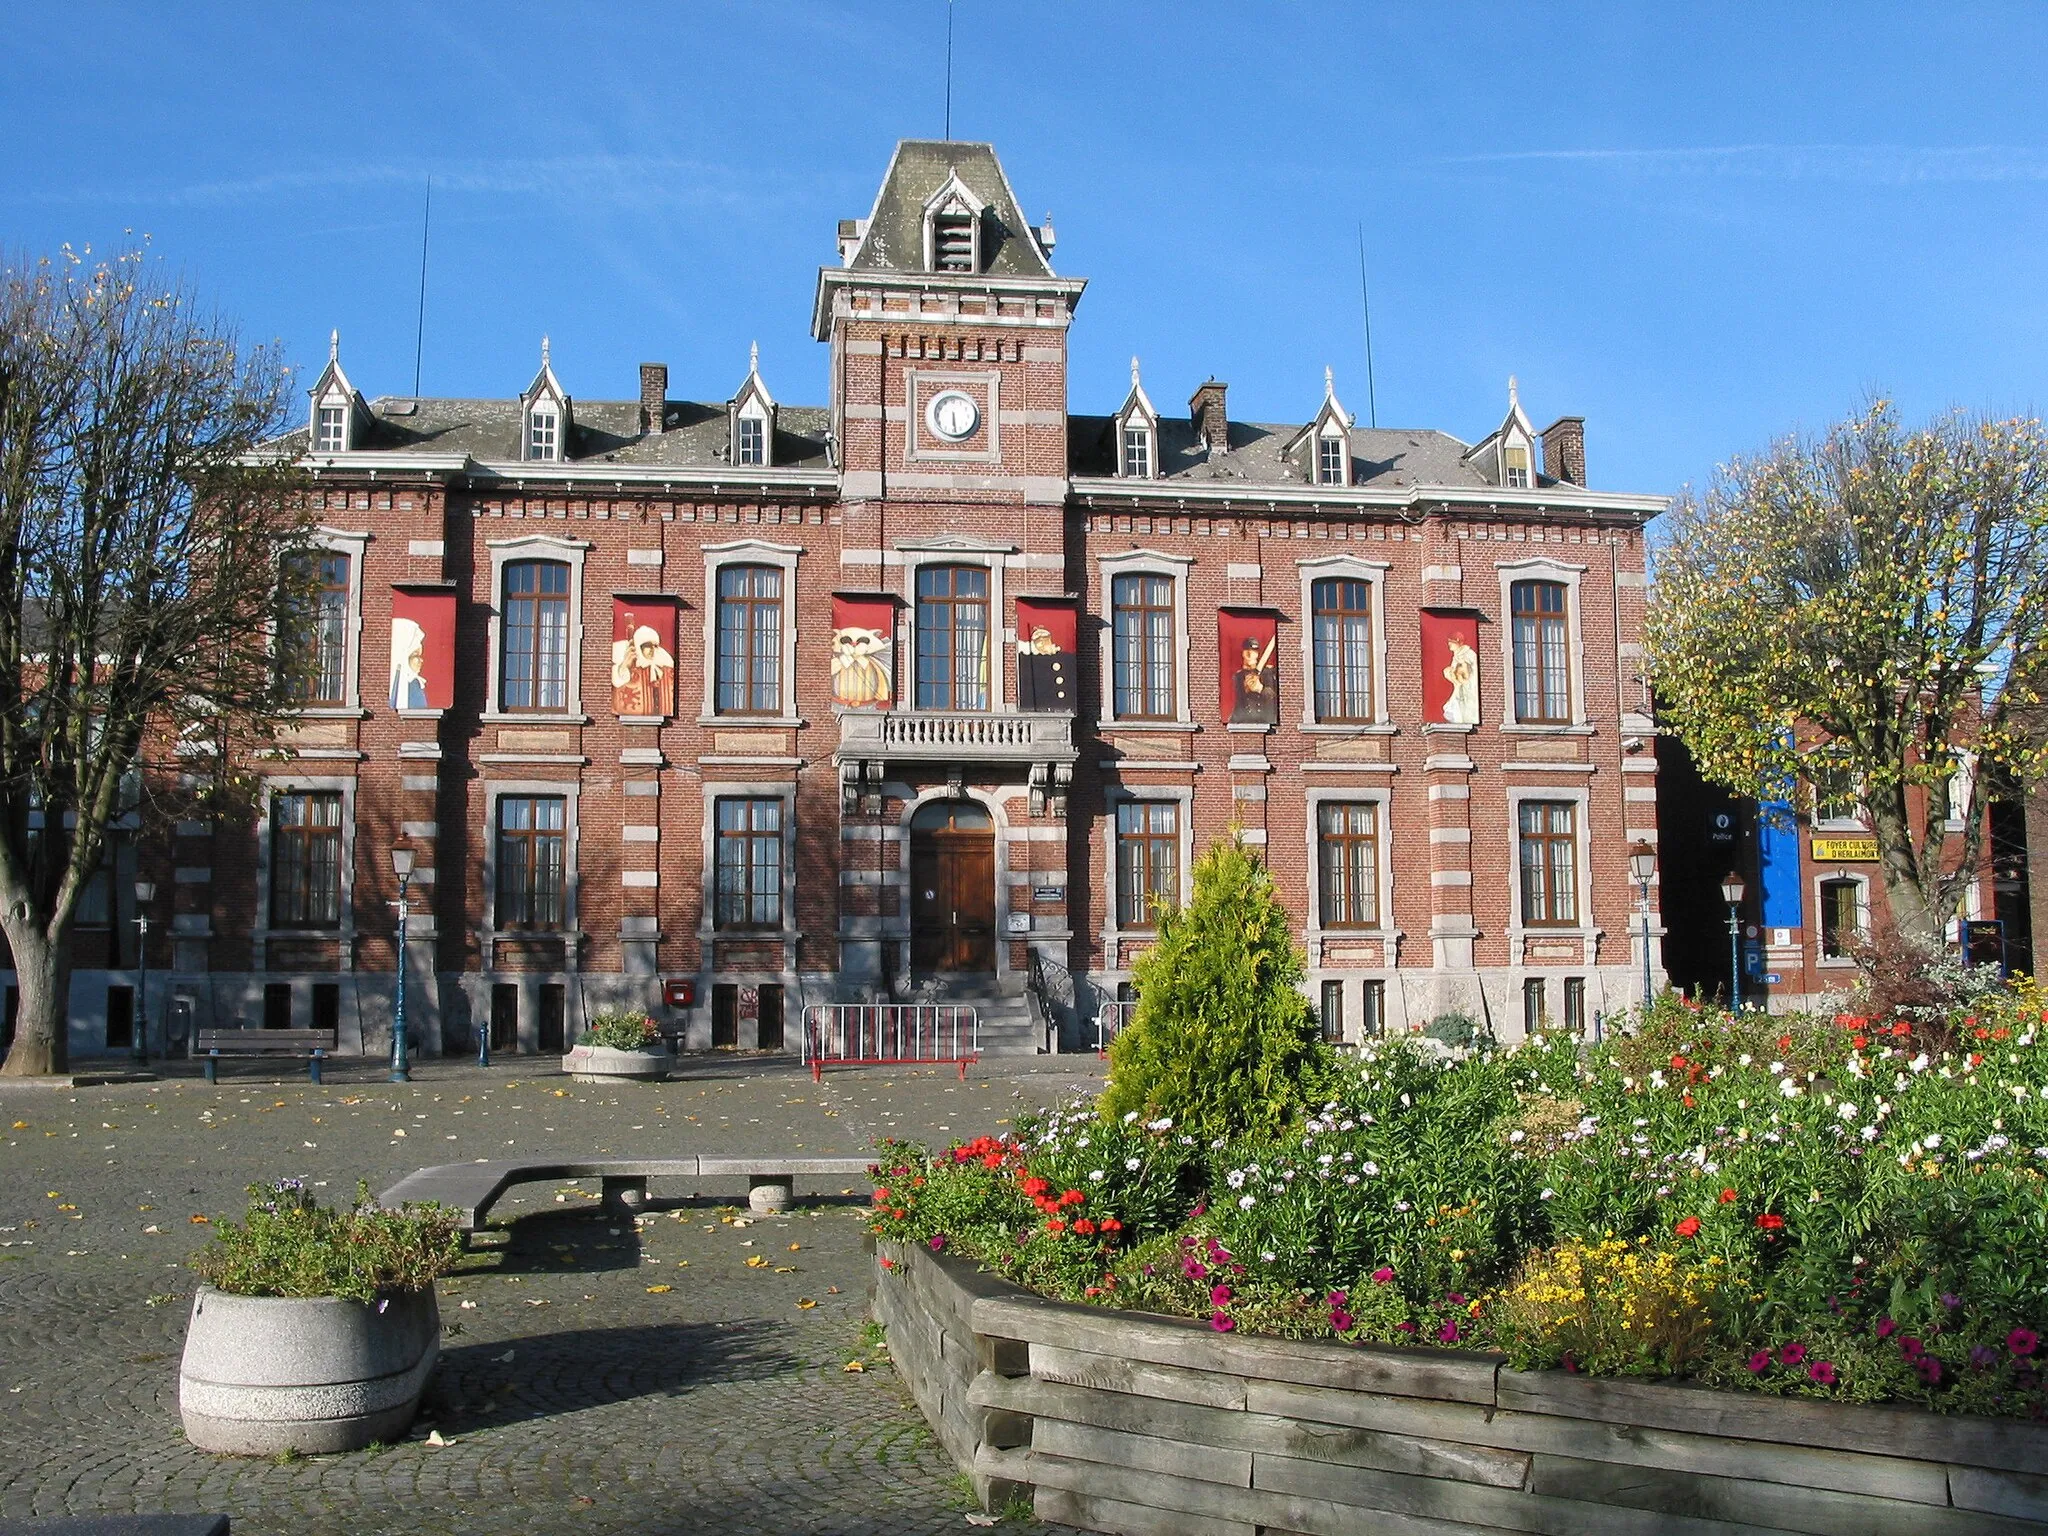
{"x": 935, "y": 736}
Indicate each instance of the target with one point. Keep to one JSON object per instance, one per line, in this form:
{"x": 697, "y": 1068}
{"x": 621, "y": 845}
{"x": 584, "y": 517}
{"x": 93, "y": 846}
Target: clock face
{"x": 952, "y": 415}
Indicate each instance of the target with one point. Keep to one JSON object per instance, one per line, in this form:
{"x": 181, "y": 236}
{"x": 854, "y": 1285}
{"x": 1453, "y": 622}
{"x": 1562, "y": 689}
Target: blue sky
{"x": 1699, "y": 227}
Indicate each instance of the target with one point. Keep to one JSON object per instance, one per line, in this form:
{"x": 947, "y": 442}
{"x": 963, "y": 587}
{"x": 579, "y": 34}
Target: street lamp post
{"x": 401, "y": 865}
{"x": 138, "y": 1037}
{"x": 1731, "y": 892}
{"x": 1642, "y": 864}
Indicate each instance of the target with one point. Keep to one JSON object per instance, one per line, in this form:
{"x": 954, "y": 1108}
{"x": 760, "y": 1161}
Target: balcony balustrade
{"x": 907, "y": 735}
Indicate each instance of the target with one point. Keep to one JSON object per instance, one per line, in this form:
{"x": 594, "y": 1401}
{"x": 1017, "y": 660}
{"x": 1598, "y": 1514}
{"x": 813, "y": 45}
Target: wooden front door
{"x": 953, "y": 889}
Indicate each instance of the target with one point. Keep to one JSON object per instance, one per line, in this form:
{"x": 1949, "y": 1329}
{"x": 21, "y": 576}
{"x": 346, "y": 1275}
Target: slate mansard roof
{"x": 1381, "y": 458}
{"x": 892, "y": 235}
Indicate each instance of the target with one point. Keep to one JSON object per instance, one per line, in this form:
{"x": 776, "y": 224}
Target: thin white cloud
{"x": 616, "y": 180}
{"x": 1887, "y": 164}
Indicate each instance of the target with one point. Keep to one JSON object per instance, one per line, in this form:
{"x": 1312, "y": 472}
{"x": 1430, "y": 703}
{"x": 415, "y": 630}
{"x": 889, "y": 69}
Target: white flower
{"x": 1130, "y": 1116}
{"x": 1868, "y": 1133}
{"x": 1131, "y": 1164}
{"x": 1350, "y": 1178}
{"x": 1163, "y": 1123}
{"x": 1371, "y": 1170}
{"x": 1846, "y": 1110}
{"x": 1548, "y": 1194}
{"x": 1789, "y": 1088}
{"x": 1082, "y": 1142}
{"x": 1743, "y": 1060}
{"x": 1514, "y": 1136}
{"x": 1095, "y": 1176}
{"x": 1268, "y": 1256}
{"x": 1777, "y": 1067}
{"x": 1234, "y": 1178}
{"x": 1246, "y": 1202}
{"x": 1918, "y": 1063}
{"x": 1934, "y": 1138}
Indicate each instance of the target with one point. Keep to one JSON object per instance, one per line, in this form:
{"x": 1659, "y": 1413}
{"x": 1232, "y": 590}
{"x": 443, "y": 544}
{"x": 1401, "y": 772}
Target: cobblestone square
{"x": 597, "y": 1375}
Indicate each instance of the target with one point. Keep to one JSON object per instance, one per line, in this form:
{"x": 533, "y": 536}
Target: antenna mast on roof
{"x": 949, "y": 71}
{"x": 419, "y": 335}
{"x": 1372, "y": 394}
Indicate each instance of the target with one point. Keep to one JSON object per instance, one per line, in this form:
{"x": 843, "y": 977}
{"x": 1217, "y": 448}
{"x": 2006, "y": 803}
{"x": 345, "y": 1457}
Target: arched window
{"x": 1542, "y": 643}
{"x": 535, "y": 672}
{"x": 749, "y": 640}
{"x": 952, "y": 637}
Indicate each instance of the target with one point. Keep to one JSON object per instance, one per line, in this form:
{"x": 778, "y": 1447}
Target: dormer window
{"x": 1330, "y": 460}
{"x": 332, "y": 432}
{"x": 543, "y": 435}
{"x": 1515, "y": 473}
{"x": 1137, "y": 453}
{"x": 952, "y": 228}
{"x": 750, "y": 445}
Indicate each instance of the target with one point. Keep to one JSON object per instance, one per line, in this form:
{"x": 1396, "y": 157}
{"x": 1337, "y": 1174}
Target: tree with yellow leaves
{"x": 1882, "y": 591}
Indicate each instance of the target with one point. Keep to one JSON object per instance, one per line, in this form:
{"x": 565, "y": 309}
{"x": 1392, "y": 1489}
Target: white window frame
{"x": 489, "y": 935}
{"x": 1518, "y": 927}
{"x": 1823, "y": 877}
{"x": 1183, "y": 795}
{"x": 536, "y": 546}
{"x": 707, "y": 910}
{"x": 750, "y": 552}
{"x": 342, "y": 541}
{"x": 340, "y": 408}
{"x": 1344, "y": 568}
{"x": 344, "y": 932}
{"x": 1382, "y": 799}
{"x": 1136, "y": 426}
{"x": 1858, "y": 817}
{"x": 1144, "y": 562}
{"x": 1538, "y": 568}
{"x": 1508, "y": 470}
{"x": 1330, "y": 433}
{"x": 752, "y": 413}
{"x": 541, "y": 416}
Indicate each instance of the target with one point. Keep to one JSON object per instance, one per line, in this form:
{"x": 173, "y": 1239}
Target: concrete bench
{"x": 315, "y": 1045}
{"x": 118, "y": 1525}
{"x": 473, "y": 1188}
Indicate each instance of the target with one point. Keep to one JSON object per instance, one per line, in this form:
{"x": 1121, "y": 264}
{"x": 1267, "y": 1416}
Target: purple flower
{"x": 1886, "y": 1327}
{"x": 1219, "y": 1296}
{"x": 1338, "y": 1298}
{"x": 1792, "y": 1354}
{"x": 1341, "y": 1321}
{"x": 1194, "y": 1269}
{"x": 1221, "y": 1323}
{"x": 1951, "y": 1300}
{"x": 938, "y": 1242}
{"x": 1382, "y": 1275}
{"x": 1405, "y": 1327}
{"x": 1822, "y": 1372}
{"x": 1929, "y": 1369}
{"x": 1983, "y": 1357}
{"x": 1760, "y": 1362}
{"x": 1911, "y": 1347}
{"x": 2022, "y": 1341}
{"x": 1449, "y": 1334}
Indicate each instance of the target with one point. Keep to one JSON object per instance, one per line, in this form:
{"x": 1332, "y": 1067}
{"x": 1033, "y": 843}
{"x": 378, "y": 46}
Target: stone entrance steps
{"x": 1008, "y": 1027}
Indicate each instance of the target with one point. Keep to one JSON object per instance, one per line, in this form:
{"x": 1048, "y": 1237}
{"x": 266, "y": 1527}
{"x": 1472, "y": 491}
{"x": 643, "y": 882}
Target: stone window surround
{"x": 972, "y": 552}
{"x": 344, "y": 932}
{"x": 1144, "y": 562}
{"x": 536, "y": 546}
{"x": 1344, "y": 567}
{"x": 489, "y": 935}
{"x": 784, "y": 557}
{"x": 1114, "y": 795}
{"x": 746, "y": 789}
{"x": 1579, "y": 797}
{"x": 1822, "y": 960}
{"x": 1542, "y": 568}
{"x": 1382, "y": 798}
{"x": 342, "y": 541}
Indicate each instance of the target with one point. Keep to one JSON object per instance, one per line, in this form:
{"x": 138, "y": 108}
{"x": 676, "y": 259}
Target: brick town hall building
{"x": 799, "y": 704}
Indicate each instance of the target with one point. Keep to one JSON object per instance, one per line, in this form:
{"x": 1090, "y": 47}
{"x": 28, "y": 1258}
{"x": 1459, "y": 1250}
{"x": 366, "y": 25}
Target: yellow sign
{"x": 1845, "y": 850}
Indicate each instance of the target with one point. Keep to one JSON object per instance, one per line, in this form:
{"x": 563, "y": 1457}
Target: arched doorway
{"x": 952, "y": 887}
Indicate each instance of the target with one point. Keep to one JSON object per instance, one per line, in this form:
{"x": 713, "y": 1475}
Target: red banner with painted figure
{"x": 863, "y": 650}
{"x": 1248, "y": 666}
{"x": 644, "y": 656}
{"x": 1450, "y": 667}
{"x": 422, "y": 672}
{"x": 1048, "y": 664}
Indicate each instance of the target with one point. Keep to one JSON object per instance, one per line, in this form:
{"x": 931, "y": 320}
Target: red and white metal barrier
{"x": 1109, "y": 1019}
{"x": 890, "y": 1034}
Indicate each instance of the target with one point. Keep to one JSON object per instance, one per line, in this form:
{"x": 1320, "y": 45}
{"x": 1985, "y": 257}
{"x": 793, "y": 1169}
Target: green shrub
{"x": 629, "y": 1031}
{"x": 291, "y": 1246}
{"x": 1456, "y": 1028}
{"x": 1222, "y": 1041}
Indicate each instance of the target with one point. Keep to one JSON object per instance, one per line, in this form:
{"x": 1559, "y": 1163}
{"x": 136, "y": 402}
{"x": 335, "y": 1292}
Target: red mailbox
{"x": 680, "y": 992}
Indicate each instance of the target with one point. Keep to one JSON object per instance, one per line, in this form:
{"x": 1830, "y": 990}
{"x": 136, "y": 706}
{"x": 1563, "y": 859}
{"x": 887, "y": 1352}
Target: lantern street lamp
{"x": 1731, "y": 892}
{"x": 1642, "y": 864}
{"x": 138, "y": 1037}
{"x": 401, "y": 865}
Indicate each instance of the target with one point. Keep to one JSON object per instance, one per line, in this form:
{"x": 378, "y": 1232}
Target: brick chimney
{"x": 1212, "y": 422}
{"x": 654, "y": 397}
{"x": 1564, "y": 450}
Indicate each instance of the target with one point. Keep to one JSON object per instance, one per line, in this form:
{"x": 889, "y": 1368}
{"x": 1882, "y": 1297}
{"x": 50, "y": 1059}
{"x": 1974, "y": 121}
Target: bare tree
{"x": 146, "y": 547}
{"x": 1886, "y": 590}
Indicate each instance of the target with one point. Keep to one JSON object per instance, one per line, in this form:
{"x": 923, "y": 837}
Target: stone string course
{"x": 1150, "y": 1425}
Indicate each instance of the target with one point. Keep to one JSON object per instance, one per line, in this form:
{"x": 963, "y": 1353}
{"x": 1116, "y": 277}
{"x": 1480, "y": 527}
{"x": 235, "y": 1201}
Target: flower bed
{"x": 1834, "y": 1208}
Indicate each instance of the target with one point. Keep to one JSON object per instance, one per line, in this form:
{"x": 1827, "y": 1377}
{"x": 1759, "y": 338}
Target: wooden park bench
{"x": 315, "y": 1045}
{"x": 471, "y": 1189}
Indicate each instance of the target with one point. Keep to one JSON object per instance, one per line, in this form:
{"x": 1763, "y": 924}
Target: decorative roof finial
{"x": 1512, "y": 401}
{"x": 544, "y": 349}
{"x": 334, "y": 345}
{"x": 754, "y": 358}
{"x": 1134, "y": 370}
{"x": 1329, "y": 381}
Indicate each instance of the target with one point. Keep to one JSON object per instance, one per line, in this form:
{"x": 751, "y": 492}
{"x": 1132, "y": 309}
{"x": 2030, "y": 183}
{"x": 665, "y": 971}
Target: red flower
{"x": 1084, "y": 1227}
{"x": 1687, "y": 1100}
{"x": 1770, "y": 1221}
{"x": 1886, "y": 1327}
{"x": 1111, "y": 1224}
{"x": 1035, "y": 1186}
{"x": 1902, "y": 1029}
{"x": 1784, "y": 1042}
{"x": 1055, "y": 1227}
{"x": 888, "y": 1263}
{"x": 1859, "y": 1041}
{"x": 1219, "y": 1296}
{"x": 1727, "y": 1197}
{"x": 1071, "y": 1197}
{"x": 1678, "y": 1063}
{"x": 1688, "y": 1227}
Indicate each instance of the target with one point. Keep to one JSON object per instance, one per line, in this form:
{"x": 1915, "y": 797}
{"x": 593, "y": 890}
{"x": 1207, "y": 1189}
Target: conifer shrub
{"x": 1223, "y": 1042}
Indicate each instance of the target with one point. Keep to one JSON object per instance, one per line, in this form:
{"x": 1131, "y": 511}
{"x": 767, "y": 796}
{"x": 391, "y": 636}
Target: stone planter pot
{"x": 600, "y": 1063}
{"x": 263, "y": 1374}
